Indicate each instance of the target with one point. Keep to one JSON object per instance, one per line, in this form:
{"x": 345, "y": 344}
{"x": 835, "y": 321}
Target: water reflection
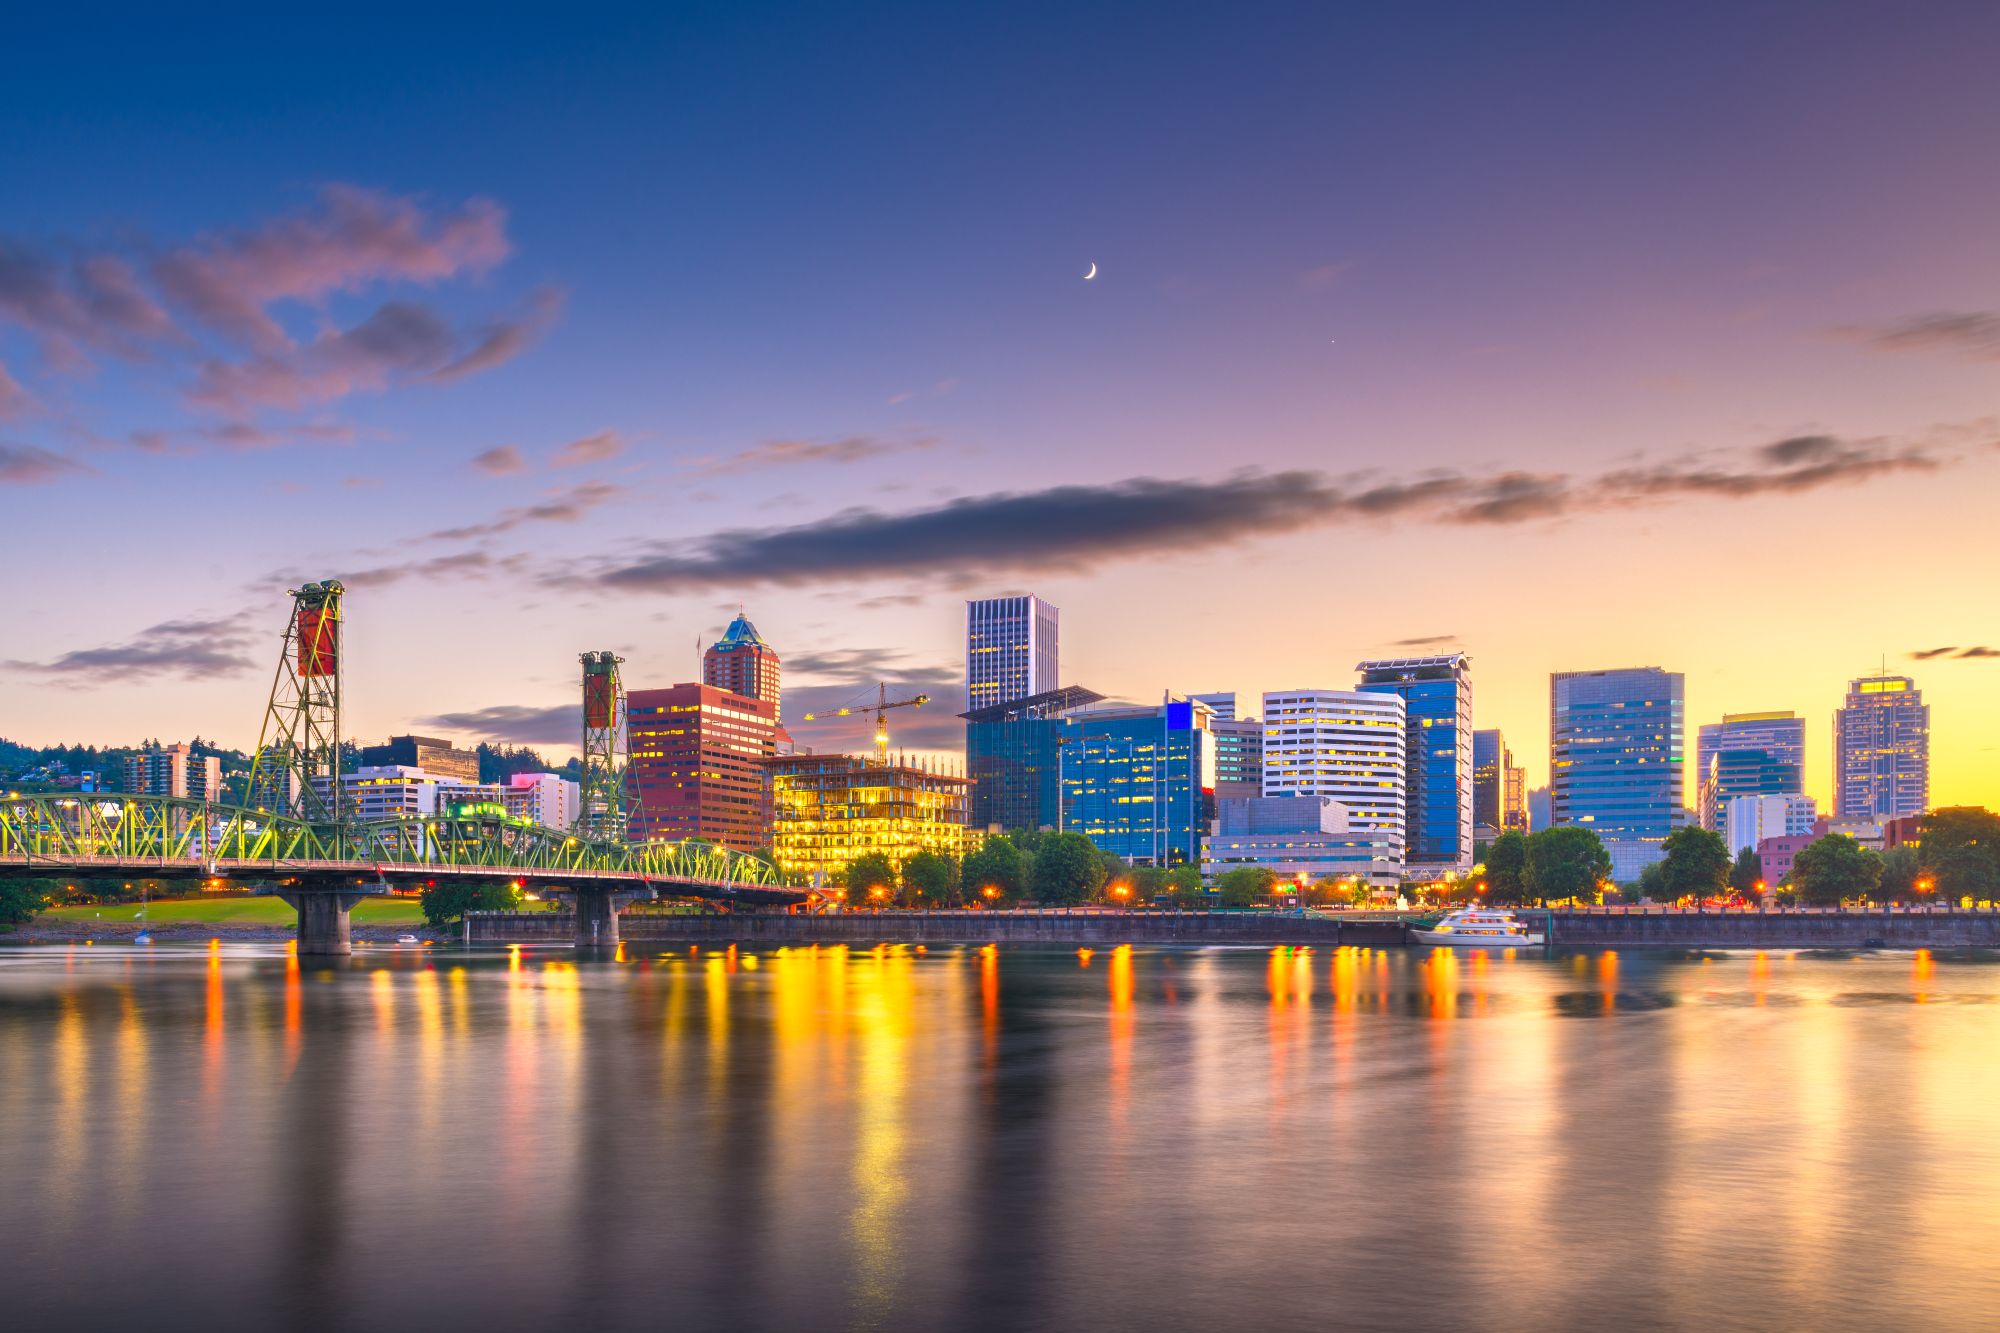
{"x": 986, "y": 1138}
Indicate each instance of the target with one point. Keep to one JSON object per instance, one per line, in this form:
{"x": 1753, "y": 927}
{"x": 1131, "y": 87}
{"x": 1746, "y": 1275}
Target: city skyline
{"x": 407, "y": 360}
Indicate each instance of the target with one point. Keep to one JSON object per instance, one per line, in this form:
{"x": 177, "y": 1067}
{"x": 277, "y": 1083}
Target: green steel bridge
{"x": 171, "y": 838}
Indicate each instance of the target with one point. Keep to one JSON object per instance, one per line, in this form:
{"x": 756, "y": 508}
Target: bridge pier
{"x": 324, "y": 919}
{"x": 597, "y": 915}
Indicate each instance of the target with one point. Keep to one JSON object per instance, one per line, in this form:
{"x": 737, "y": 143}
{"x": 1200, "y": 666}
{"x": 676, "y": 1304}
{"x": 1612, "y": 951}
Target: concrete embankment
{"x": 1574, "y": 930}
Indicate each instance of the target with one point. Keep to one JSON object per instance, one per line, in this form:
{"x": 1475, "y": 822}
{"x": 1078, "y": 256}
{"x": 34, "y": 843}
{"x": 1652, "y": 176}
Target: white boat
{"x": 407, "y": 939}
{"x": 1479, "y": 928}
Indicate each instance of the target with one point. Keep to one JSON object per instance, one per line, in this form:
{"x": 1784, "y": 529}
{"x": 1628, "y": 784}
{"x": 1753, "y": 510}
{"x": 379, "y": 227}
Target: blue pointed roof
{"x": 741, "y": 633}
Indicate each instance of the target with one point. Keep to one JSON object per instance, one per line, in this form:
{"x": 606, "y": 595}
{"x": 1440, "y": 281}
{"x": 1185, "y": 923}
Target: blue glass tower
{"x": 1140, "y": 781}
{"x": 1616, "y": 748}
{"x": 1013, "y": 756}
{"x": 1437, "y": 695}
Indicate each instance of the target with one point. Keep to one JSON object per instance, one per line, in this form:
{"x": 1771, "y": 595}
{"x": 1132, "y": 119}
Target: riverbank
{"x": 233, "y": 917}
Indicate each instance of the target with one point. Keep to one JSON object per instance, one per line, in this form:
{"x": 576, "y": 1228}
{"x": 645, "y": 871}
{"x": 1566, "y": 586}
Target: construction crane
{"x": 883, "y": 703}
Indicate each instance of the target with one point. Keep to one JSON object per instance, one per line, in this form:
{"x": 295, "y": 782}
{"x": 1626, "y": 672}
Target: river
{"x": 1160, "y": 1139}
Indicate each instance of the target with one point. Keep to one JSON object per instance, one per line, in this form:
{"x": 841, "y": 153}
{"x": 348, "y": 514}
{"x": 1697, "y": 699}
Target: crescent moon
{"x": 1093, "y": 271}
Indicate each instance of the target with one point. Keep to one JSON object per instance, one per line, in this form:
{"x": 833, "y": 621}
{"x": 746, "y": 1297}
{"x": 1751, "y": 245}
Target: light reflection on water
{"x": 980, "y": 1138}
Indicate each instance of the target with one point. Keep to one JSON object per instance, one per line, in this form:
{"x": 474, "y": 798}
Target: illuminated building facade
{"x": 1139, "y": 780}
{"x": 696, "y": 766}
{"x": 742, "y": 663}
{"x": 1013, "y": 754}
{"x": 1616, "y": 755}
{"x": 1309, "y": 838}
{"x": 1010, "y": 649}
{"x": 1437, "y": 738}
{"x": 1239, "y": 749}
{"x": 1882, "y": 750}
{"x": 1747, "y": 754}
{"x": 828, "y": 809}
{"x": 1346, "y": 745}
{"x": 1499, "y": 789}
{"x": 174, "y": 770}
{"x": 437, "y": 757}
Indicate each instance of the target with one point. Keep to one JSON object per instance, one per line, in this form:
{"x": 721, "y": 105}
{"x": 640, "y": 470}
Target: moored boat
{"x": 1477, "y": 928}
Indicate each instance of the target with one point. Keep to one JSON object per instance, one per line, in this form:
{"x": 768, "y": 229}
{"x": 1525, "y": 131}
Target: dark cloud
{"x": 189, "y": 649}
{"x": 1426, "y": 641}
{"x": 29, "y": 465}
{"x": 1926, "y": 654}
{"x": 566, "y": 506}
{"x": 504, "y": 339}
{"x": 793, "y": 453}
{"x": 933, "y": 726}
{"x": 1971, "y": 334}
{"x": 1068, "y": 527}
{"x": 500, "y": 461}
{"x": 1802, "y": 463}
{"x": 1980, "y": 651}
{"x": 1954, "y": 652}
{"x": 858, "y": 664}
{"x": 515, "y": 724}
{"x": 459, "y": 564}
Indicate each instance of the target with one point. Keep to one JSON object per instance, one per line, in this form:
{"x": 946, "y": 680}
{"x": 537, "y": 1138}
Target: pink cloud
{"x": 353, "y": 238}
{"x": 505, "y": 339}
{"x": 599, "y": 448}
{"x": 501, "y": 460}
{"x": 15, "y": 401}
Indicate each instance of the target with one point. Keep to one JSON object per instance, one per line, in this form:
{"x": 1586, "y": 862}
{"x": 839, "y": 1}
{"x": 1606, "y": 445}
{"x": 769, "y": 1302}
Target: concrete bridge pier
{"x": 597, "y": 915}
{"x": 324, "y": 919}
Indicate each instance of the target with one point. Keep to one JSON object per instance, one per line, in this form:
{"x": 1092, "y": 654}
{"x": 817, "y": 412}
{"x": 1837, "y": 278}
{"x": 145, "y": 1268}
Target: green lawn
{"x": 259, "y": 911}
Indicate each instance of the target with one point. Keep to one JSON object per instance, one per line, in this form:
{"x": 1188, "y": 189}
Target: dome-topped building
{"x": 742, "y": 663}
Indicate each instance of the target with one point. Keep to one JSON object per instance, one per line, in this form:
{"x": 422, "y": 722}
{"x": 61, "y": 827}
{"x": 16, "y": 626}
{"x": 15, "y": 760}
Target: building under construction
{"x": 828, "y": 809}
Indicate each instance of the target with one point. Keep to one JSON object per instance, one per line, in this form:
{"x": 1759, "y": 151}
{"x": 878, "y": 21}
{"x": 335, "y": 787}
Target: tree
{"x": 1243, "y": 886}
{"x": 1696, "y": 864}
{"x": 1566, "y": 862}
{"x": 1507, "y": 868}
{"x": 930, "y": 879}
{"x": 999, "y": 866}
{"x": 1652, "y": 884}
{"x": 871, "y": 878}
{"x": 1959, "y": 850}
{"x": 1834, "y": 869}
{"x": 1150, "y": 882}
{"x": 1747, "y": 873}
{"x": 1900, "y": 872}
{"x": 20, "y": 899}
{"x": 449, "y": 900}
{"x": 1067, "y": 869}
{"x": 1184, "y": 882}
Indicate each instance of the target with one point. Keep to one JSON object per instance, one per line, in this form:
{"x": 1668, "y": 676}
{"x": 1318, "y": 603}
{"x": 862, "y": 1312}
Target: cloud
{"x": 29, "y": 465}
{"x": 794, "y": 453}
{"x": 857, "y": 664}
{"x": 1926, "y": 654}
{"x": 933, "y": 726}
{"x": 15, "y": 401}
{"x": 1971, "y": 334}
{"x": 504, "y": 339}
{"x": 1980, "y": 651}
{"x": 189, "y": 649}
{"x": 458, "y": 564}
{"x": 599, "y": 448}
{"x": 401, "y": 338}
{"x": 77, "y": 299}
{"x": 1075, "y": 528}
{"x": 566, "y": 506}
{"x": 516, "y": 724}
{"x": 501, "y": 460}
{"x": 1426, "y": 641}
{"x": 353, "y": 238}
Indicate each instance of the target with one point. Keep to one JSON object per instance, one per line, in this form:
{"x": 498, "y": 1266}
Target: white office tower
{"x": 1010, "y": 649}
{"x": 1751, "y": 819}
{"x": 1347, "y": 745}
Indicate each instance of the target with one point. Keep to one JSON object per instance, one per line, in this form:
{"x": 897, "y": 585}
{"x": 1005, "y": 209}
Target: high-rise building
{"x": 1348, "y": 745}
{"x": 827, "y": 809}
{"x": 1749, "y": 820}
{"x": 436, "y": 757}
{"x": 1616, "y": 748}
{"x": 1882, "y": 750}
{"x": 1010, "y": 650}
{"x": 1747, "y": 754}
{"x": 1437, "y": 693}
{"x": 1309, "y": 838}
{"x": 1499, "y": 788}
{"x": 548, "y": 799}
{"x": 696, "y": 766}
{"x": 401, "y": 791}
{"x": 742, "y": 663}
{"x": 1139, "y": 779}
{"x": 1013, "y": 756}
{"x": 174, "y": 770}
{"x": 1239, "y": 749}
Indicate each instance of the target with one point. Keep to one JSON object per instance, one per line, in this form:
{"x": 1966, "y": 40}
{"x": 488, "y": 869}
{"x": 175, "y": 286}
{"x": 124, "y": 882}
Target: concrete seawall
{"x": 1574, "y": 930}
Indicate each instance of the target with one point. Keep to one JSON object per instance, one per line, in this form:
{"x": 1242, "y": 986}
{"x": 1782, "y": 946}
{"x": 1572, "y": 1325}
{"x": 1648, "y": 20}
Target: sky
{"x": 1574, "y": 336}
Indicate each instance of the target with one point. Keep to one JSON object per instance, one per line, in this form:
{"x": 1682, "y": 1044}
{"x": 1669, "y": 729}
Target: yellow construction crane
{"x": 883, "y": 703}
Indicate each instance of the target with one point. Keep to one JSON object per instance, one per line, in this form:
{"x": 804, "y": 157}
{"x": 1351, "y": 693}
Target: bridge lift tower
{"x": 602, "y": 810}
{"x": 296, "y": 768}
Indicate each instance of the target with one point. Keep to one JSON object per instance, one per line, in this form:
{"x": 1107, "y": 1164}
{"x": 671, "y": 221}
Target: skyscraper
{"x": 174, "y": 770}
{"x": 1346, "y": 744}
{"x": 1882, "y": 750}
{"x": 1499, "y": 795}
{"x": 1239, "y": 749}
{"x": 1747, "y": 754}
{"x": 742, "y": 663}
{"x": 1013, "y": 756}
{"x": 1010, "y": 649}
{"x": 1437, "y": 693}
{"x": 1616, "y": 747}
{"x": 696, "y": 765}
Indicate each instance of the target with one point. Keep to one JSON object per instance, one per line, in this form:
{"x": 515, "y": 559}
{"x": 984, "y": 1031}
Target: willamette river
{"x": 1158, "y": 1139}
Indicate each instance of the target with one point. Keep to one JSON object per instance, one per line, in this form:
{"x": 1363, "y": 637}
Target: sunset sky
{"x": 1573, "y": 335}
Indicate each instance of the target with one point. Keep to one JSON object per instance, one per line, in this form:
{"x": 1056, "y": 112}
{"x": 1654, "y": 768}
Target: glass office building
{"x": 1011, "y": 649}
{"x": 1747, "y": 754}
{"x": 1012, "y": 755}
{"x": 1437, "y": 698}
{"x": 1882, "y": 750}
{"x": 1139, "y": 780}
{"x": 1616, "y": 755}
{"x": 1239, "y": 749}
{"x": 1499, "y": 788}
